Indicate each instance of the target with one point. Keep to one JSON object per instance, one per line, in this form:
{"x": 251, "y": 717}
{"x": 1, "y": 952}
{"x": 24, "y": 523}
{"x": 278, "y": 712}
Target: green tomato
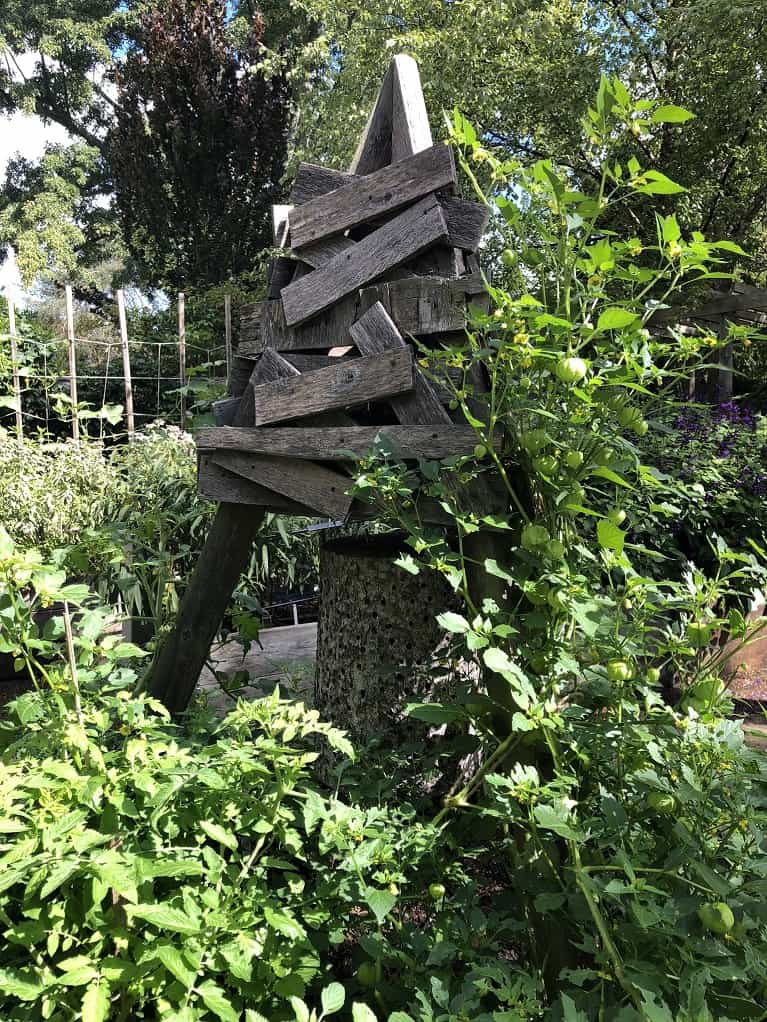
{"x": 619, "y": 670}
{"x": 555, "y": 550}
{"x": 556, "y": 599}
{"x": 534, "y": 441}
{"x": 604, "y": 456}
{"x": 703, "y": 696}
{"x": 616, "y": 515}
{"x": 640, "y": 427}
{"x": 662, "y": 803}
{"x": 571, "y": 370}
{"x": 698, "y": 634}
{"x": 653, "y": 675}
{"x": 574, "y": 459}
{"x": 534, "y": 536}
{"x": 539, "y": 663}
{"x": 628, "y": 415}
{"x": 509, "y": 258}
{"x": 545, "y": 465}
{"x": 436, "y": 891}
{"x": 366, "y": 974}
{"x": 717, "y": 916}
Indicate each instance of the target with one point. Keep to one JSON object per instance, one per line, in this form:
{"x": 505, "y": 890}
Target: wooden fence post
{"x": 228, "y": 338}
{"x": 72, "y": 363}
{"x": 129, "y": 418}
{"x": 15, "y": 366}
{"x": 182, "y": 355}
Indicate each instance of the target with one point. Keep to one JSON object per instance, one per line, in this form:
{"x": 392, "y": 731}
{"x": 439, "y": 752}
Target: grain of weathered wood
{"x": 466, "y": 222}
{"x": 225, "y": 411}
{"x": 239, "y": 375}
{"x": 217, "y": 483}
{"x": 175, "y": 671}
{"x": 335, "y": 444}
{"x": 311, "y": 485}
{"x": 305, "y": 362}
{"x": 269, "y": 367}
{"x": 321, "y": 252}
{"x": 375, "y": 332}
{"x": 425, "y": 305}
{"x": 329, "y": 330}
{"x": 353, "y": 383}
{"x": 281, "y": 272}
{"x": 410, "y": 131}
{"x": 409, "y": 233}
{"x": 374, "y": 148}
{"x": 312, "y": 180}
{"x": 365, "y": 199}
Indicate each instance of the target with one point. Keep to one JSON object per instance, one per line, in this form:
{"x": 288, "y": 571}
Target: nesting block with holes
{"x": 370, "y": 261}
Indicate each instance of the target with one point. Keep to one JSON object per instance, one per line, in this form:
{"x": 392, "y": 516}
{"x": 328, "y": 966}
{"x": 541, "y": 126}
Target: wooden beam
{"x": 418, "y": 228}
{"x": 410, "y": 131}
{"x": 321, "y": 252}
{"x": 374, "y": 147}
{"x": 326, "y": 331}
{"x": 366, "y": 199}
{"x": 306, "y": 362}
{"x": 217, "y": 483}
{"x": 308, "y": 484}
{"x": 225, "y": 411}
{"x": 352, "y": 383}
{"x": 466, "y": 222}
{"x": 269, "y": 367}
{"x": 375, "y": 333}
{"x": 425, "y": 305}
{"x": 336, "y": 444}
{"x": 312, "y": 180}
{"x": 173, "y": 675}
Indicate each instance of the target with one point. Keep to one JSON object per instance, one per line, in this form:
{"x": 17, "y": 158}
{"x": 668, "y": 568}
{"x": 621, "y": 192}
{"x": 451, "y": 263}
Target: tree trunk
{"x": 379, "y": 646}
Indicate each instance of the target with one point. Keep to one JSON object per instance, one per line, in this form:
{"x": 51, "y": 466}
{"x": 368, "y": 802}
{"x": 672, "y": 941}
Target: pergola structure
{"x": 370, "y": 260}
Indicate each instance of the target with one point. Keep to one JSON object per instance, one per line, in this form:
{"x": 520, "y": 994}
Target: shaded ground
{"x": 287, "y": 659}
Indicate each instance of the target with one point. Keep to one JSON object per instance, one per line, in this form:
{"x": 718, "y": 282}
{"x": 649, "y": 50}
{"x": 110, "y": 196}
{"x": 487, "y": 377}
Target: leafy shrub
{"x": 626, "y": 836}
{"x": 50, "y": 492}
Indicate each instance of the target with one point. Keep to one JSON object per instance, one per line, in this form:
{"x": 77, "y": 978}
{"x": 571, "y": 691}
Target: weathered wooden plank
{"x": 308, "y": 484}
{"x": 410, "y": 131}
{"x": 281, "y": 226}
{"x": 391, "y": 245}
{"x": 321, "y": 252}
{"x": 239, "y": 375}
{"x": 269, "y": 367}
{"x": 326, "y": 331}
{"x": 225, "y": 411}
{"x": 354, "y": 382}
{"x": 335, "y": 444}
{"x": 281, "y": 272}
{"x": 176, "y": 668}
{"x": 306, "y": 362}
{"x": 374, "y": 147}
{"x": 312, "y": 180}
{"x": 365, "y": 199}
{"x": 466, "y": 222}
{"x": 425, "y": 305}
{"x": 217, "y": 483}
{"x": 375, "y": 332}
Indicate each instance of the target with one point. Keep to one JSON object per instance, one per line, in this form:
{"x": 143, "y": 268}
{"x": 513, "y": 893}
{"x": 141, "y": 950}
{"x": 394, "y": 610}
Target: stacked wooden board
{"x": 370, "y": 260}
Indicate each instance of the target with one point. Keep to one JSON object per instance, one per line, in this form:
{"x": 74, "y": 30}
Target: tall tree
{"x": 524, "y": 70}
{"x": 57, "y": 60}
{"x": 199, "y": 144}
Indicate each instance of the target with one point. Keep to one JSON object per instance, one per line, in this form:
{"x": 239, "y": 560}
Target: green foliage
{"x": 50, "y": 492}
{"x": 614, "y": 818}
{"x": 507, "y": 65}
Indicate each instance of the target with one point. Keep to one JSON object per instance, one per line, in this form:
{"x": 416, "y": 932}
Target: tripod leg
{"x": 172, "y": 678}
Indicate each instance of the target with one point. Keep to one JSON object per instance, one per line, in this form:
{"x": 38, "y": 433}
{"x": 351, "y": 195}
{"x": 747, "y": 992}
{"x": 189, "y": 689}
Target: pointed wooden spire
{"x": 398, "y": 125}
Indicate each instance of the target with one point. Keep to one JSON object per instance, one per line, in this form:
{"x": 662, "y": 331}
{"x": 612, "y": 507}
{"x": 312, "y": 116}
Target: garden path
{"x": 287, "y": 658}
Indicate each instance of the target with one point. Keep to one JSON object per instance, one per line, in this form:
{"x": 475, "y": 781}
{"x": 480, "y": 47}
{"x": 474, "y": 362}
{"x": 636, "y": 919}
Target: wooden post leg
{"x": 173, "y": 676}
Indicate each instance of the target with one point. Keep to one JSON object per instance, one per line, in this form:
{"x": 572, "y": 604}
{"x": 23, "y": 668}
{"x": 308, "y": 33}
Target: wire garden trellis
{"x": 46, "y": 392}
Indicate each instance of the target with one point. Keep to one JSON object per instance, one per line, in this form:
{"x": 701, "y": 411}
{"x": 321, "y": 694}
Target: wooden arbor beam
{"x": 173, "y": 676}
